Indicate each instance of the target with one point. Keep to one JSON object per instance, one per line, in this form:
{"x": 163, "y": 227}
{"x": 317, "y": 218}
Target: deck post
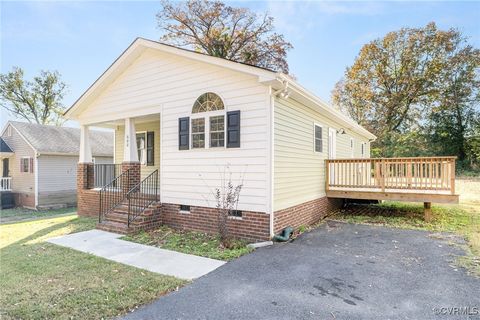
{"x": 452, "y": 177}
{"x": 382, "y": 176}
{"x": 427, "y": 211}
{"x": 327, "y": 175}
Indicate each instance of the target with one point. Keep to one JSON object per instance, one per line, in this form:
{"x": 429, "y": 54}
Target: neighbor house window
{"x": 198, "y": 133}
{"x": 210, "y": 126}
{"x": 318, "y": 138}
{"x": 26, "y": 164}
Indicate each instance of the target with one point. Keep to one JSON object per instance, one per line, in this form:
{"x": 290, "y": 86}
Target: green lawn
{"x": 463, "y": 219}
{"x": 39, "y": 280}
{"x": 197, "y": 243}
{"x": 19, "y": 214}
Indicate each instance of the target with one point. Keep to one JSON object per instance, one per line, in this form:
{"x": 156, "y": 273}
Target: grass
{"x": 39, "y": 280}
{"x": 463, "y": 219}
{"x": 196, "y": 243}
{"x": 19, "y": 214}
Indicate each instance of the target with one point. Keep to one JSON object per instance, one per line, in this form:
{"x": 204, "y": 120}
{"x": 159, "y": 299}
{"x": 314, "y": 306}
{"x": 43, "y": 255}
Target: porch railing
{"x": 436, "y": 174}
{"x": 113, "y": 194}
{"x": 6, "y": 184}
{"x": 142, "y": 195}
{"x": 103, "y": 174}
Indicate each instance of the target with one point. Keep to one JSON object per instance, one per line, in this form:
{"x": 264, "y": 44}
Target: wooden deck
{"x": 423, "y": 179}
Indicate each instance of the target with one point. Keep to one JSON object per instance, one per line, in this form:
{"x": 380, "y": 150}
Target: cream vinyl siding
{"x": 23, "y": 182}
{"x": 140, "y": 127}
{"x": 299, "y": 171}
{"x": 158, "y": 82}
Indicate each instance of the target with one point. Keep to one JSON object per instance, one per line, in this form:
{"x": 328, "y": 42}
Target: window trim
{"x": 316, "y": 124}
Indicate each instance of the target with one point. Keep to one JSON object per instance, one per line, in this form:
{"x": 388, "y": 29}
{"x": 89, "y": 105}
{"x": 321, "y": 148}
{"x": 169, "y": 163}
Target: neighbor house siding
{"x": 140, "y": 127}
{"x": 57, "y": 179}
{"x": 23, "y": 183}
{"x": 299, "y": 171}
{"x": 163, "y": 83}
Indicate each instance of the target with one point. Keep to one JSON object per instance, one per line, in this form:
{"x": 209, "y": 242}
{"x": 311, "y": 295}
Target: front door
{"x": 5, "y": 167}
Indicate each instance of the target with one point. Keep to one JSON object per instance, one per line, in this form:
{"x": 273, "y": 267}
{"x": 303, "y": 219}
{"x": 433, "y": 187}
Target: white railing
{"x": 422, "y": 173}
{"x": 6, "y": 184}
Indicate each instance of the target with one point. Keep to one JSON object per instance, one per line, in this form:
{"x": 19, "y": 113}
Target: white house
{"x": 40, "y": 171}
{"x": 183, "y": 119}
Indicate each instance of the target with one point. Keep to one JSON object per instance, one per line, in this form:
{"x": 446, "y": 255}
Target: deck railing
{"x": 380, "y": 174}
{"x": 6, "y": 184}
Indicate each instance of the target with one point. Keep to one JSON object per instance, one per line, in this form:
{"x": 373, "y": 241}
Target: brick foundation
{"x": 252, "y": 225}
{"x": 306, "y": 213}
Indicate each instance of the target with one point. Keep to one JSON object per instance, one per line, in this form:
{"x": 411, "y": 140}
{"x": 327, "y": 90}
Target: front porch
{"x": 421, "y": 179}
{"x": 125, "y": 195}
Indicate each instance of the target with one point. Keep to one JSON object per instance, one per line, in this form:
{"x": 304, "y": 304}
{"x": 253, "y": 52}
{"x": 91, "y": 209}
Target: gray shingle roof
{"x": 52, "y": 139}
{"x": 4, "y": 146}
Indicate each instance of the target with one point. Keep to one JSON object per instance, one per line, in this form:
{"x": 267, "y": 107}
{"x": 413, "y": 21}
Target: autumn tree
{"x": 404, "y": 84}
{"x": 223, "y": 31}
{"x": 38, "y": 101}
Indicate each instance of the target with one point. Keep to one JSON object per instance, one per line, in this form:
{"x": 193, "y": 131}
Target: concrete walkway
{"x": 107, "y": 245}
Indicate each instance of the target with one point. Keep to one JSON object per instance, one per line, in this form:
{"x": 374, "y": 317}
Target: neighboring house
{"x": 39, "y": 162}
{"x": 184, "y": 120}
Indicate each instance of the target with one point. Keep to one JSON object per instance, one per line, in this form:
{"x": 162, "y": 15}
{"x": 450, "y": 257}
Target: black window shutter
{"x": 150, "y": 148}
{"x": 183, "y": 133}
{"x": 233, "y": 129}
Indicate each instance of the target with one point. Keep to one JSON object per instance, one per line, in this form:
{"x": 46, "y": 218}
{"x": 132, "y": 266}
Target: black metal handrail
{"x": 113, "y": 193}
{"x": 142, "y": 195}
{"x": 103, "y": 174}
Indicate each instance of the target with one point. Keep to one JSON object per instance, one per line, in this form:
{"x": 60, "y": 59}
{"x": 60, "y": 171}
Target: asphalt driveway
{"x": 338, "y": 271}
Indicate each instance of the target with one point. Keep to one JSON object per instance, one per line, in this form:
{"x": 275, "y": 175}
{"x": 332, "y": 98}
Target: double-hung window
{"x": 217, "y": 131}
{"x": 198, "y": 133}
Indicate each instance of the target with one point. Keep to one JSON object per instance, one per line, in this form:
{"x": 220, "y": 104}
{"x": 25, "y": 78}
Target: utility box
{"x": 7, "y": 200}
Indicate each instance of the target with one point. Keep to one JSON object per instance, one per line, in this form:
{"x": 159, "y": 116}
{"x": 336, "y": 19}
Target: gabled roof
{"x": 276, "y": 79}
{"x": 62, "y": 140}
{"x": 136, "y": 48}
{"x": 4, "y": 146}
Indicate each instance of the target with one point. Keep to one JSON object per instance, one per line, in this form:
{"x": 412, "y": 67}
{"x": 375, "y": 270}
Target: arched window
{"x": 208, "y": 102}
{"x": 209, "y": 125}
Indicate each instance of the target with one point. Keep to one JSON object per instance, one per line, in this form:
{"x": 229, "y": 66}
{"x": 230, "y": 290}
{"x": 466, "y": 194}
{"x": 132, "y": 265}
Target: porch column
{"x": 130, "y": 156}
{"x": 85, "y": 164}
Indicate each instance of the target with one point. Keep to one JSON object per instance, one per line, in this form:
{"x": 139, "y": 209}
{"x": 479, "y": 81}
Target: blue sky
{"x": 81, "y": 39}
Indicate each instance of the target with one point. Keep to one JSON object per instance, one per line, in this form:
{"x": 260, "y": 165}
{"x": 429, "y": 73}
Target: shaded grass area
{"x": 19, "y": 214}
{"x": 191, "y": 242}
{"x": 463, "y": 219}
{"x": 39, "y": 280}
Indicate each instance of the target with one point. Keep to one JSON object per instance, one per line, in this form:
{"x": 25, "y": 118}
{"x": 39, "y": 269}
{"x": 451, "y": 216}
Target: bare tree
{"x": 223, "y": 31}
